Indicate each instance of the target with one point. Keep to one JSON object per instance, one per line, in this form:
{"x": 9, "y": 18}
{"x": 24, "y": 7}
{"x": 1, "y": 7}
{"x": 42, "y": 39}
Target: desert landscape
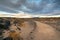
{"x": 29, "y": 28}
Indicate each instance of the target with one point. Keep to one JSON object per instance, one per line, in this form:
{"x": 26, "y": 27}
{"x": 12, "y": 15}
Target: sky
{"x": 31, "y": 6}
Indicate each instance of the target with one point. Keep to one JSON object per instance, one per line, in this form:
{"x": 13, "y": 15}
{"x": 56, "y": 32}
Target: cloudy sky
{"x": 31, "y": 6}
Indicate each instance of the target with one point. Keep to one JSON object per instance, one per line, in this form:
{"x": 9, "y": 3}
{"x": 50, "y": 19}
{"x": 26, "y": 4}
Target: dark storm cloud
{"x": 44, "y": 6}
{"x": 32, "y": 6}
{"x": 12, "y": 3}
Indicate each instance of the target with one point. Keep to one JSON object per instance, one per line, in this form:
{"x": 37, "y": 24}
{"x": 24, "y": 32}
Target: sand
{"x": 41, "y": 32}
{"x": 34, "y": 30}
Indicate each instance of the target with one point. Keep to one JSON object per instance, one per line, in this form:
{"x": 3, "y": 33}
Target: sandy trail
{"x": 42, "y": 32}
{"x": 45, "y": 32}
{"x": 35, "y": 30}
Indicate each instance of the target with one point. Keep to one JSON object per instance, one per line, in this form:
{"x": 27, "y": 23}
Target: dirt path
{"x": 35, "y": 30}
{"x": 45, "y": 32}
{"x": 42, "y": 32}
